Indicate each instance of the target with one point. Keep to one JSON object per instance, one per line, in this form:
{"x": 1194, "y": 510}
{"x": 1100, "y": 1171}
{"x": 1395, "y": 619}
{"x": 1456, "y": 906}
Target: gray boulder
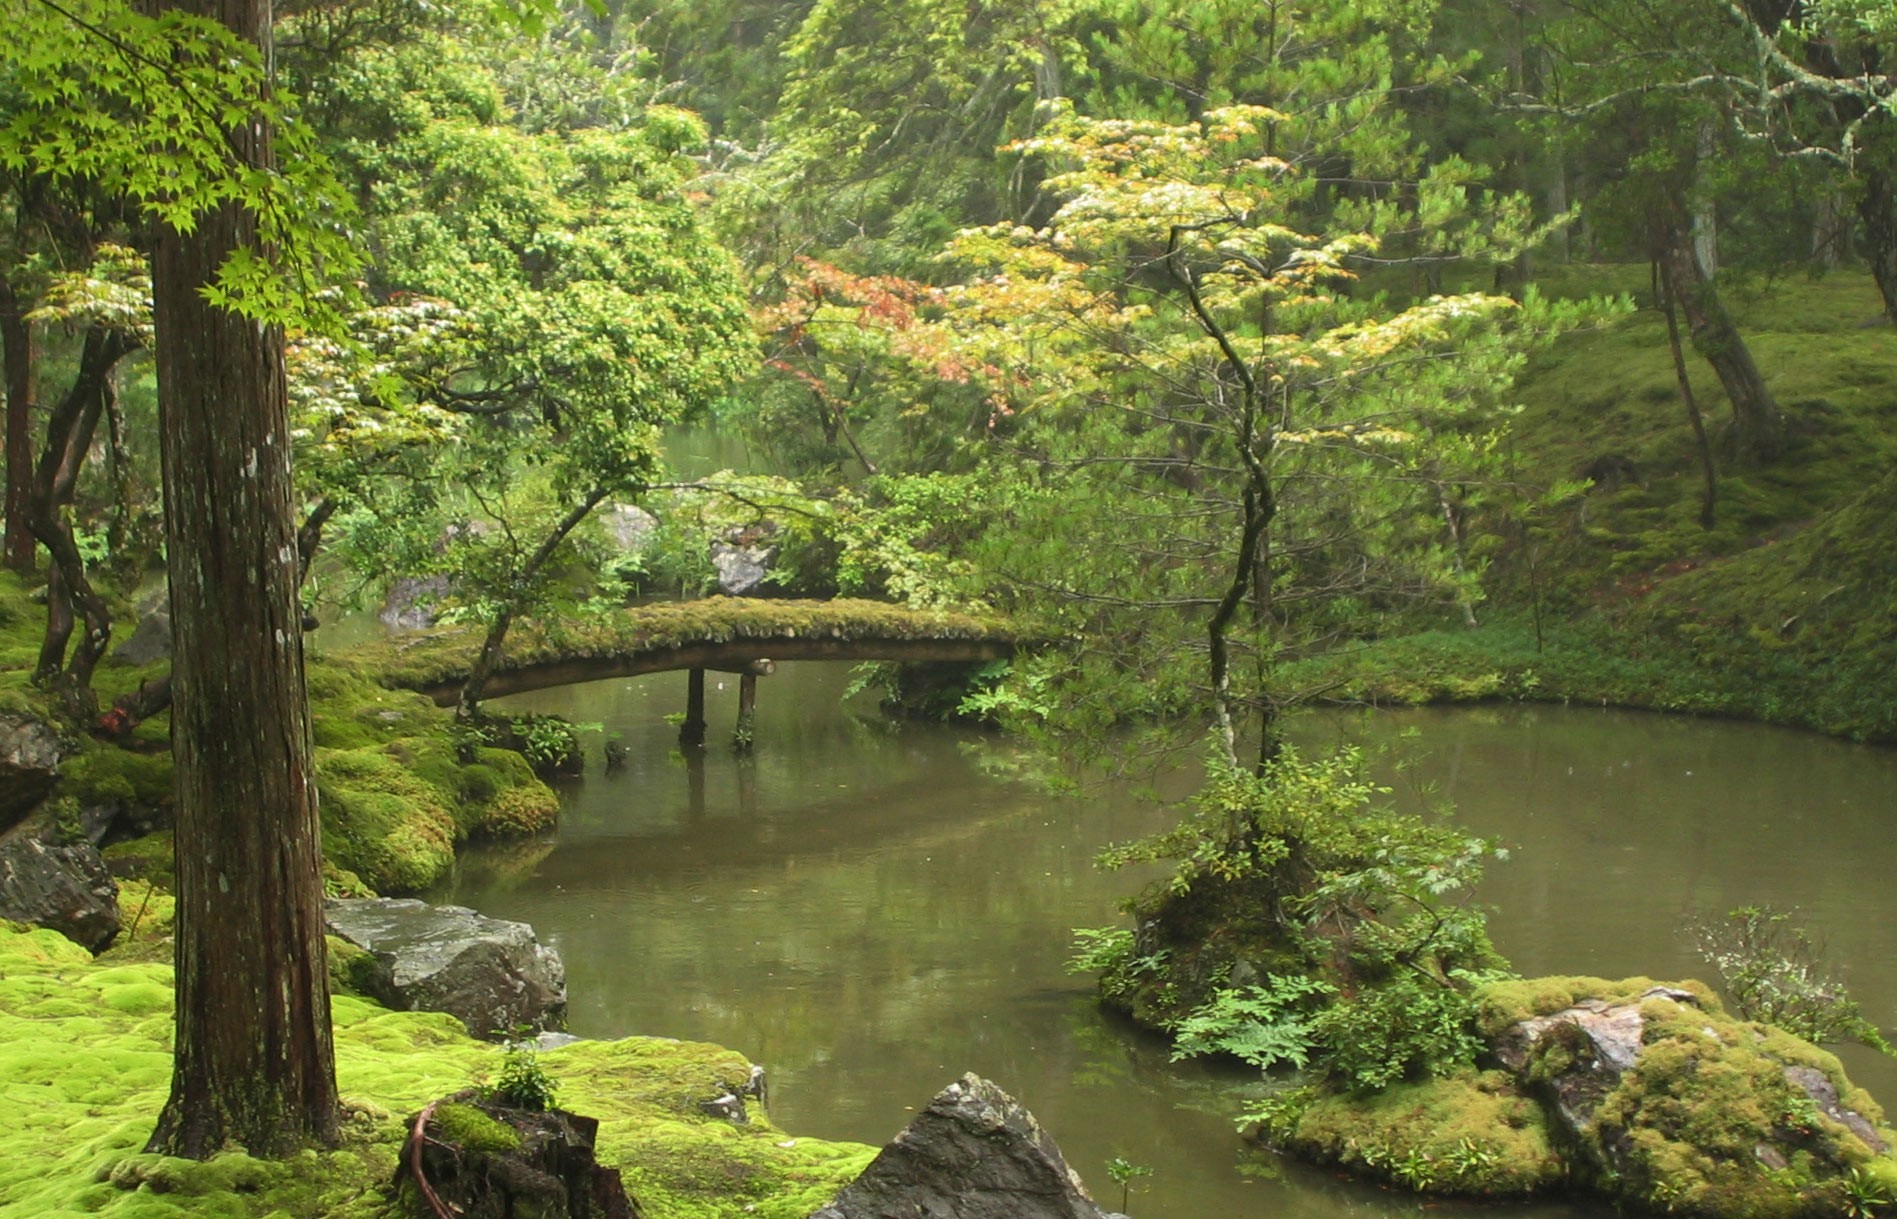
{"x": 743, "y": 558}
{"x": 62, "y": 885}
{"x": 629, "y": 527}
{"x": 494, "y": 975}
{"x": 410, "y": 603}
{"x": 151, "y": 639}
{"x": 30, "y": 753}
{"x": 974, "y": 1153}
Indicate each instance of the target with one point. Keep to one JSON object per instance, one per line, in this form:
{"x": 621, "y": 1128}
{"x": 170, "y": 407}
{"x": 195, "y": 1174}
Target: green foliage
{"x": 1123, "y": 1172}
{"x": 1261, "y": 1025}
{"x": 1404, "y": 1029}
{"x": 522, "y": 1081}
{"x": 149, "y": 120}
{"x": 1774, "y": 973}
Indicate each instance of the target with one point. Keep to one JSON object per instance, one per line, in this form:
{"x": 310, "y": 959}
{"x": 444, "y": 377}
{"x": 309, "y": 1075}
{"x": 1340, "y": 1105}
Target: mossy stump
{"x": 473, "y": 1159}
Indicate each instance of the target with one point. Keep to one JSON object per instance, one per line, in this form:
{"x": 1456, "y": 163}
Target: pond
{"x": 866, "y": 910}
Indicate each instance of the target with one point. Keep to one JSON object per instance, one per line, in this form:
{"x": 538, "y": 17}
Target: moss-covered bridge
{"x": 724, "y": 634}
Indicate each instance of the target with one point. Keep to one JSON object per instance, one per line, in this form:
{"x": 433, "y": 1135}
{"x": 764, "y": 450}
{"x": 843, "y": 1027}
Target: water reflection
{"x": 862, "y": 909}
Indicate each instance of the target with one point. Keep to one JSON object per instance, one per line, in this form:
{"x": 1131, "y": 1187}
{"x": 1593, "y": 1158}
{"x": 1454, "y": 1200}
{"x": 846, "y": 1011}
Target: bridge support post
{"x": 742, "y": 737}
{"x": 692, "y": 731}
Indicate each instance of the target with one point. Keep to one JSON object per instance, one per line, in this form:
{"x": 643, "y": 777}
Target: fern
{"x": 1261, "y": 1025}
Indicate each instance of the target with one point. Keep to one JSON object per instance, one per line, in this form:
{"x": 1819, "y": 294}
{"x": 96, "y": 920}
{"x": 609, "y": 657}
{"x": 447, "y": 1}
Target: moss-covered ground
{"x": 85, "y": 1063}
{"x": 1785, "y": 611}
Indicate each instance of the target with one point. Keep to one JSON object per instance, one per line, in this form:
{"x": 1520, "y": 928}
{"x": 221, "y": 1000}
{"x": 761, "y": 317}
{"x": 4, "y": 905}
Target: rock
{"x": 629, "y": 527}
{"x": 150, "y": 639}
{"x": 1824, "y": 1094}
{"x": 410, "y": 603}
{"x": 743, "y": 558}
{"x": 494, "y": 975}
{"x": 62, "y": 885}
{"x": 974, "y": 1153}
{"x": 484, "y": 1161}
{"x": 30, "y": 753}
{"x": 1666, "y": 1102}
{"x": 1600, "y": 1041}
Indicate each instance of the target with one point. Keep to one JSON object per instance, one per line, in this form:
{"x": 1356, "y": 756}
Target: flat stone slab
{"x": 496, "y": 976}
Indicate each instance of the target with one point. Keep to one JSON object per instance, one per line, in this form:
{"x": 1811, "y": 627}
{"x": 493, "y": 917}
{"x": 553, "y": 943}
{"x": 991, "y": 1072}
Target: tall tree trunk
{"x": 16, "y": 349}
{"x": 1758, "y": 428}
{"x": 254, "y": 1063}
{"x": 1877, "y": 208}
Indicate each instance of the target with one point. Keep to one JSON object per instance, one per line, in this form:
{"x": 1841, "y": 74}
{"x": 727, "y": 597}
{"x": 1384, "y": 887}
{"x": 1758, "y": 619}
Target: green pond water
{"x": 866, "y": 910}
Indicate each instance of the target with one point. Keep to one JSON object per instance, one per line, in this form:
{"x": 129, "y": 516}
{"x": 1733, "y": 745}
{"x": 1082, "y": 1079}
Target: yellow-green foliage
{"x": 1467, "y": 1133}
{"x": 439, "y": 658}
{"x": 85, "y": 1066}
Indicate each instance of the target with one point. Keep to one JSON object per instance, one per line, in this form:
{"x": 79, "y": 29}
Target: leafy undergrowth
{"x": 85, "y": 1064}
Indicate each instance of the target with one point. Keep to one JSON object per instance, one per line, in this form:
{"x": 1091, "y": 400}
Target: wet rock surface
{"x": 974, "y": 1153}
{"x": 58, "y": 884}
{"x": 494, "y": 975}
{"x": 30, "y": 753}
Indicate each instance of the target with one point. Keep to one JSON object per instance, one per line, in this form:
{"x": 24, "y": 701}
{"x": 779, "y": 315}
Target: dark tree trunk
{"x": 1709, "y": 496}
{"x": 16, "y": 349}
{"x": 1877, "y": 208}
{"x": 483, "y": 667}
{"x": 69, "y": 433}
{"x": 1758, "y": 429}
{"x": 254, "y": 1063}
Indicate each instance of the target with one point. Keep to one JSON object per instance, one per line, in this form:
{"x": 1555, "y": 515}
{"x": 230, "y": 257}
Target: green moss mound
{"x": 85, "y": 1066}
{"x": 1469, "y": 1133}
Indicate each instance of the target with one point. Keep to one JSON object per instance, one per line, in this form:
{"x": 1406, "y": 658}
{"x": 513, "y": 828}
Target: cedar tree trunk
{"x": 254, "y": 1063}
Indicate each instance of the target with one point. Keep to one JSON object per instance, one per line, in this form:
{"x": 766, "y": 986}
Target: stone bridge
{"x": 726, "y": 634}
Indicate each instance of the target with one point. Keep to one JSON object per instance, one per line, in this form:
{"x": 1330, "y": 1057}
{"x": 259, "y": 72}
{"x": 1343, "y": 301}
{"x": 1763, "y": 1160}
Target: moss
{"x": 1501, "y": 1004}
{"x": 85, "y": 1064}
{"x": 350, "y": 968}
{"x": 1468, "y": 1133}
{"x": 390, "y": 827}
{"x": 1710, "y": 1119}
{"x": 148, "y": 858}
{"x": 440, "y": 658}
{"x": 103, "y": 774}
{"x": 472, "y": 1130}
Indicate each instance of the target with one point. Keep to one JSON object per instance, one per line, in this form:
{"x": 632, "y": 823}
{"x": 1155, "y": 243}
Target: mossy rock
{"x": 1664, "y": 1100}
{"x": 1471, "y": 1133}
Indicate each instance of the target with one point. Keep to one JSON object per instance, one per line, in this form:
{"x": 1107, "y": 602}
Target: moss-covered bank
{"x": 85, "y": 1064}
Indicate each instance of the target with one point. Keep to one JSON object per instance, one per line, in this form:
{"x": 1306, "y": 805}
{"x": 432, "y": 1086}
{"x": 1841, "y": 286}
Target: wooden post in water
{"x": 692, "y": 731}
{"x": 747, "y": 713}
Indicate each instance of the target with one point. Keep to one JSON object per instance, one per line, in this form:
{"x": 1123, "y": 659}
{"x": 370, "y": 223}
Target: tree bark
{"x": 16, "y": 349}
{"x": 1877, "y": 208}
{"x": 1709, "y": 495}
{"x": 254, "y": 1063}
{"x": 1758, "y": 428}
{"x": 69, "y": 434}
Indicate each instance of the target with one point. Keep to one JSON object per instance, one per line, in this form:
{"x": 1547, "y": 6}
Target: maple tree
{"x": 1257, "y": 446}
